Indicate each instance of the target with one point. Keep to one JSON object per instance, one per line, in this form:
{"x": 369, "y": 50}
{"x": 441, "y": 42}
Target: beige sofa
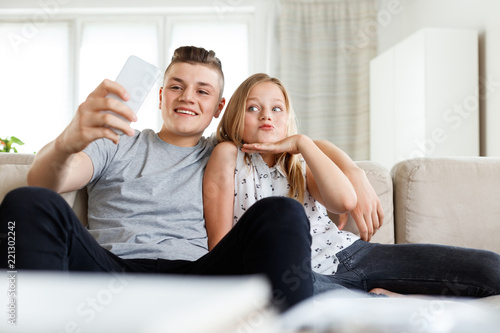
{"x": 430, "y": 200}
{"x": 452, "y": 201}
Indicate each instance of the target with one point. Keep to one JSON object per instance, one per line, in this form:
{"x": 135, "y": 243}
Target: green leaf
{"x": 13, "y": 139}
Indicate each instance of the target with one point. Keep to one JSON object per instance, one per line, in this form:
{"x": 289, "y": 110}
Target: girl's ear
{"x": 222, "y": 102}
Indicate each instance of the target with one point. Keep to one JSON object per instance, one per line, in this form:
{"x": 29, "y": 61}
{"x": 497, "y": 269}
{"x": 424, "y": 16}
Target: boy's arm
{"x": 61, "y": 165}
{"x": 368, "y": 213}
{"x": 218, "y": 192}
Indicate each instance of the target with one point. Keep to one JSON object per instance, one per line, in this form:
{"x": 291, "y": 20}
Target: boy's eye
{"x": 203, "y": 92}
{"x": 253, "y": 109}
{"x": 175, "y": 87}
{"x": 277, "y": 109}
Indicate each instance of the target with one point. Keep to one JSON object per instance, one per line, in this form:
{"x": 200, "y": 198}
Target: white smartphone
{"x": 137, "y": 77}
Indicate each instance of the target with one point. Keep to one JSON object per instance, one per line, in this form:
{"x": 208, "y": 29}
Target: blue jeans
{"x": 414, "y": 269}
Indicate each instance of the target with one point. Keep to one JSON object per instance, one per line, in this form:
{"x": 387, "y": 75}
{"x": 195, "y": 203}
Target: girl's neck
{"x": 269, "y": 159}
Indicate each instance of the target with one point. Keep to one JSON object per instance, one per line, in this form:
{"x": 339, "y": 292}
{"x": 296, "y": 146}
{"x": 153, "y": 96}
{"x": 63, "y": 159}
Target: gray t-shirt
{"x": 145, "y": 197}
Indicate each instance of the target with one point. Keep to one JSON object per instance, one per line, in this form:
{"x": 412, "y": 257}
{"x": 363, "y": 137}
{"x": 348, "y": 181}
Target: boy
{"x": 145, "y": 200}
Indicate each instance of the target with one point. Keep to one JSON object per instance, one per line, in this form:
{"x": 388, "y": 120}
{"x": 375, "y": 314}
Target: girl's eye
{"x": 277, "y": 109}
{"x": 253, "y": 109}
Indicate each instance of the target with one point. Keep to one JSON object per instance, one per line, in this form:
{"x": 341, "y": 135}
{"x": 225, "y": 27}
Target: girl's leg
{"x": 420, "y": 269}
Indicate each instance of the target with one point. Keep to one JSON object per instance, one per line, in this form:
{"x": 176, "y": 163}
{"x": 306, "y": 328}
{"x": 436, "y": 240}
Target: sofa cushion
{"x": 380, "y": 179}
{"x": 452, "y": 201}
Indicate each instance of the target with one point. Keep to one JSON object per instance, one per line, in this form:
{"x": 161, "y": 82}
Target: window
{"x": 50, "y": 65}
{"x": 34, "y": 84}
{"x": 116, "y": 41}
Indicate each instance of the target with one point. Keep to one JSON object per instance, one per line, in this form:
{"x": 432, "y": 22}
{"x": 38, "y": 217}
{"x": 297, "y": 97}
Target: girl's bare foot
{"x": 381, "y": 291}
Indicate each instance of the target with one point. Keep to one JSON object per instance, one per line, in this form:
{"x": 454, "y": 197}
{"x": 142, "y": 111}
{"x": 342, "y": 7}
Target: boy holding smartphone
{"x": 145, "y": 200}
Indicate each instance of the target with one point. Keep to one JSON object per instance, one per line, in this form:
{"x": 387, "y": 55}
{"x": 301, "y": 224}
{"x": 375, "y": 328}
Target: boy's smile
{"x": 189, "y": 99}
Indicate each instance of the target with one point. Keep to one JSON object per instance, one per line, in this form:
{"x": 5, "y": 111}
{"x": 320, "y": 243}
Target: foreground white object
{"x": 341, "y": 313}
{"x": 62, "y": 302}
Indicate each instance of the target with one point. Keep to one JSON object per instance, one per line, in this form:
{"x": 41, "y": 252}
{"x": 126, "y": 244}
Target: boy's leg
{"x": 420, "y": 269}
{"x": 271, "y": 238}
{"x": 45, "y": 234}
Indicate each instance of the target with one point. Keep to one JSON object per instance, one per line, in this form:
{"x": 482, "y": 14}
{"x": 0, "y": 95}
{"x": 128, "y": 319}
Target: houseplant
{"x": 6, "y": 145}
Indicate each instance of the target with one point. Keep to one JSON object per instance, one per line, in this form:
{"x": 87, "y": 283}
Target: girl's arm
{"x": 325, "y": 181}
{"x": 218, "y": 192}
{"x": 368, "y": 213}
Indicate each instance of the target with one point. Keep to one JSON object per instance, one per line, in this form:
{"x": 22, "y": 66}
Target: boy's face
{"x": 189, "y": 99}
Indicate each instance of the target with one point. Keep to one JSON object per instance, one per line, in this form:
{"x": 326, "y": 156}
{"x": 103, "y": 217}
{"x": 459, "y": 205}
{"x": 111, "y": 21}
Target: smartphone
{"x": 137, "y": 77}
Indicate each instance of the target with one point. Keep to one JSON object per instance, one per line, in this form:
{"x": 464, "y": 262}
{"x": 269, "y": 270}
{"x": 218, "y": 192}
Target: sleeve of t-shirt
{"x": 101, "y": 153}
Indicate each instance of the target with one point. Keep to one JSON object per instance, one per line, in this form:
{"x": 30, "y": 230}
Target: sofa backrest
{"x": 14, "y": 168}
{"x": 452, "y": 201}
{"x": 13, "y": 171}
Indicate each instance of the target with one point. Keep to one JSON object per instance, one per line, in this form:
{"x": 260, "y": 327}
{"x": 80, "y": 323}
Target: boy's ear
{"x": 161, "y": 90}
{"x": 222, "y": 102}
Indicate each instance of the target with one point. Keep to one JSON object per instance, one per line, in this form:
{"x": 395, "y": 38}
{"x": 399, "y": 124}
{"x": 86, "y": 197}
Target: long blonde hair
{"x": 233, "y": 121}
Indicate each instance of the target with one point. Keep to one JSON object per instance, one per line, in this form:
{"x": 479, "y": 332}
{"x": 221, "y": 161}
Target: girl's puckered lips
{"x": 266, "y": 127}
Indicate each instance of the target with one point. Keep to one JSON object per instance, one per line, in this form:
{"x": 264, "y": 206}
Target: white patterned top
{"x": 261, "y": 181}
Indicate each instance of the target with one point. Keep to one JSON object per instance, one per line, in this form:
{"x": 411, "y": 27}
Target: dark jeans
{"x": 272, "y": 238}
{"x": 414, "y": 269}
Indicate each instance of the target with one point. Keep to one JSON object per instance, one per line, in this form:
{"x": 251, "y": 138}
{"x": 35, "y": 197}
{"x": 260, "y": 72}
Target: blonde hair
{"x": 197, "y": 55}
{"x": 233, "y": 121}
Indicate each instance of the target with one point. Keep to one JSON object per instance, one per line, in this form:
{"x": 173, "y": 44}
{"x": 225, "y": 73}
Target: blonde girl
{"x": 261, "y": 155}
{"x": 284, "y": 163}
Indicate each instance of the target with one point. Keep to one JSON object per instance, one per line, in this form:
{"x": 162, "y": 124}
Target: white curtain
{"x": 325, "y": 50}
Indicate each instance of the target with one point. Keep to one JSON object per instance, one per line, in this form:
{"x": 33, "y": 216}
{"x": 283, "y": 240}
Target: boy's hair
{"x": 197, "y": 55}
{"x": 232, "y": 125}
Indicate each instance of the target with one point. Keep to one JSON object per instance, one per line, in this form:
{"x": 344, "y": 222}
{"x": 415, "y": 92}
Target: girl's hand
{"x": 368, "y": 213}
{"x": 289, "y": 145}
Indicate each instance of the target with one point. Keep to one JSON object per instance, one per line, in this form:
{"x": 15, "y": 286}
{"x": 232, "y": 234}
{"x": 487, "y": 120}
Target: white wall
{"x": 400, "y": 18}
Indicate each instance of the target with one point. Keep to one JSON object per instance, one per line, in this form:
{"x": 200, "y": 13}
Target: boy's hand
{"x": 90, "y": 123}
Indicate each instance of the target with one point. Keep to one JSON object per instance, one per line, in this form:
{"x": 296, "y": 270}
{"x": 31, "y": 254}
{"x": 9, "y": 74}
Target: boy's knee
{"x": 25, "y": 195}
{"x": 27, "y": 192}
{"x": 29, "y": 203}
{"x": 283, "y": 211}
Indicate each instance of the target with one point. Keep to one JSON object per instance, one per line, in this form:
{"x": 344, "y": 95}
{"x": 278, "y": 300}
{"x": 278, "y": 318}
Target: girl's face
{"x": 266, "y": 116}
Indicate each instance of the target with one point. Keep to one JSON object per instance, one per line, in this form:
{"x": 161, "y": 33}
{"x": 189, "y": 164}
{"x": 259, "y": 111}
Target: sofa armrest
{"x": 13, "y": 172}
{"x": 452, "y": 201}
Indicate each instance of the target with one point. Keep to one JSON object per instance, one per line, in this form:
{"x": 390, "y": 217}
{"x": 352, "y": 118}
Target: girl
{"x": 261, "y": 155}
